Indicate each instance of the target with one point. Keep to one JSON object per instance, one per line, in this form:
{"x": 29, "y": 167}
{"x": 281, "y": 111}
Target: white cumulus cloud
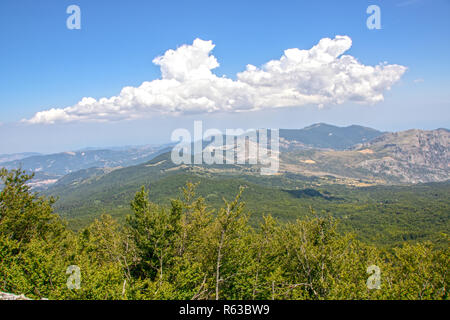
{"x": 322, "y": 75}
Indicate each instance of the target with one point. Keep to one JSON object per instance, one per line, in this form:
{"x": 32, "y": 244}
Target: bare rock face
{"x": 9, "y": 296}
{"x": 411, "y": 156}
{"x": 405, "y": 157}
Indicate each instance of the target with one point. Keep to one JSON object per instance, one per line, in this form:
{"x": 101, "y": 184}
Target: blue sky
{"x": 44, "y": 65}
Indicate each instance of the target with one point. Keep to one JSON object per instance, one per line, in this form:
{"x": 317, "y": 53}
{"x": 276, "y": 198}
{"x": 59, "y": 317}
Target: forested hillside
{"x": 187, "y": 250}
{"x": 380, "y": 214}
{"x": 157, "y": 230}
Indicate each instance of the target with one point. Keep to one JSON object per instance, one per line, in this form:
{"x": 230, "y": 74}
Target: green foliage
{"x": 187, "y": 250}
{"x": 24, "y": 215}
{"x": 384, "y": 215}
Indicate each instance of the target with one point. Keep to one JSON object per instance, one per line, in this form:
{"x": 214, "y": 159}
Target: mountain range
{"x": 394, "y": 180}
{"x": 354, "y": 155}
{"x": 411, "y": 156}
{"x": 322, "y": 135}
{"x": 49, "y": 168}
{"x": 16, "y": 156}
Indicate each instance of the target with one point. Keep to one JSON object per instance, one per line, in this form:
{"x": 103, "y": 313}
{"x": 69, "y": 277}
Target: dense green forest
{"x": 186, "y": 249}
{"x": 383, "y": 214}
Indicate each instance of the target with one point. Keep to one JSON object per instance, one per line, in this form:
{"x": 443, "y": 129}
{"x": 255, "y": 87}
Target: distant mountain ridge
{"x": 349, "y": 166}
{"x": 351, "y": 155}
{"x": 322, "y": 135}
{"x": 49, "y": 168}
{"x": 412, "y": 155}
{"x": 17, "y": 156}
{"x": 67, "y": 162}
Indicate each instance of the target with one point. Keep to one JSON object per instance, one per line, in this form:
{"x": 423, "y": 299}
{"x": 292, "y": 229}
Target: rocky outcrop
{"x": 10, "y": 296}
{"x": 411, "y": 156}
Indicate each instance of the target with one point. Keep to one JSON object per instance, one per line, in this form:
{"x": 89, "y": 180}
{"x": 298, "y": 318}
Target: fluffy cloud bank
{"x": 321, "y": 75}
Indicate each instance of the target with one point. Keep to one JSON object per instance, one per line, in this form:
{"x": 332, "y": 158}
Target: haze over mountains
{"x": 16, "y": 156}
{"x": 49, "y": 168}
{"x": 352, "y": 155}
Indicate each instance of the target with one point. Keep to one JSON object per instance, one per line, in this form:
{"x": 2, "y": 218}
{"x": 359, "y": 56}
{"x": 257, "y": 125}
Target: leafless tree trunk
{"x": 219, "y": 261}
